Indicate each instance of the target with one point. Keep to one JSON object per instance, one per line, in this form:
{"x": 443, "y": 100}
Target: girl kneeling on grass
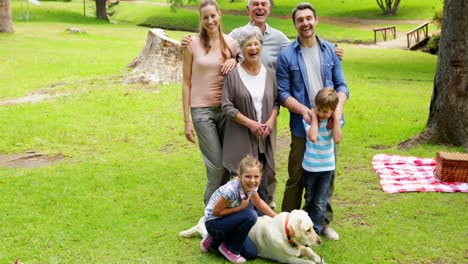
{"x": 228, "y": 220}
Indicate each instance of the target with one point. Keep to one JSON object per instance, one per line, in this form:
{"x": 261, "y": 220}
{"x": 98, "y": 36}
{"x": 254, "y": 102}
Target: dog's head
{"x": 301, "y": 229}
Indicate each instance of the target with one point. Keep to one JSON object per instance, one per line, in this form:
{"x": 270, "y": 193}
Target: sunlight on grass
{"x": 103, "y": 50}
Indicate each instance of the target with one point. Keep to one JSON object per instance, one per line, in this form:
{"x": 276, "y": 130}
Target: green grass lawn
{"x": 130, "y": 181}
{"x": 187, "y": 19}
{"x": 366, "y": 9}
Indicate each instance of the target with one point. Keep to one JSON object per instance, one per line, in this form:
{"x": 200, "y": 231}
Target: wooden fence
{"x": 384, "y": 30}
{"x": 418, "y": 34}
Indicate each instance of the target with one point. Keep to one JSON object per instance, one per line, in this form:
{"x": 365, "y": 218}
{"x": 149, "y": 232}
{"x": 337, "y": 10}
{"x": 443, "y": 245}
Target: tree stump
{"x": 160, "y": 61}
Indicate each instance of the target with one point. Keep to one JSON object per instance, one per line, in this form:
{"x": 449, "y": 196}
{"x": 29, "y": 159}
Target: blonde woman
{"x": 207, "y": 59}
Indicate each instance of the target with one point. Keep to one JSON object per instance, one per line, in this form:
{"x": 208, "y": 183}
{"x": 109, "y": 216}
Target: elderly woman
{"x": 251, "y": 107}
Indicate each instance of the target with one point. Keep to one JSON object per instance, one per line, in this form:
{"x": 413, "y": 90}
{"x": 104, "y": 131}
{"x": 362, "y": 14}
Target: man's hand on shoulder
{"x": 339, "y": 51}
{"x": 308, "y": 115}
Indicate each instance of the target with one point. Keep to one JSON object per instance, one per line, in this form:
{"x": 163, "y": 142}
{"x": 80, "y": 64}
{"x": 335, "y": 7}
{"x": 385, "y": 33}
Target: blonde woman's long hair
{"x": 205, "y": 39}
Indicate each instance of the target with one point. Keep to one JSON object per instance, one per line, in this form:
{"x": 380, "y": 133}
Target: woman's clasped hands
{"x": 261, "y": 130}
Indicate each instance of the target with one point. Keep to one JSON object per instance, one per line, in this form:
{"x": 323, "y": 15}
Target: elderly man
{"x": 274, "y": 40}
{"x": 303, "y": 68}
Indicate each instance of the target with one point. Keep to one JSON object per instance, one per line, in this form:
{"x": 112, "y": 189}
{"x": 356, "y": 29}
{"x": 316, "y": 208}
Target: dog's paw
{"x": 319, "y": 260}
{"x": 186, "y": 234}
{"x": 183, "y": 234}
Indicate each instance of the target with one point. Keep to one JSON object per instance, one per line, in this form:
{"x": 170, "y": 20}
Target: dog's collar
{"x": 288, "y": 234}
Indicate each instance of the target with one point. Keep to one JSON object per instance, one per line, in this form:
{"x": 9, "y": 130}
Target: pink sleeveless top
{"x": 207, "y": 80}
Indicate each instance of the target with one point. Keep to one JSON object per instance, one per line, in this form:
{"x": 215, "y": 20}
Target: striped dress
{"x": 319, "y": 156}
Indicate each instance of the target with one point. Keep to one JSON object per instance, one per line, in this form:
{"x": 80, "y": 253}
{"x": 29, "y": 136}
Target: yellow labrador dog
{"x": 285, "y": 238}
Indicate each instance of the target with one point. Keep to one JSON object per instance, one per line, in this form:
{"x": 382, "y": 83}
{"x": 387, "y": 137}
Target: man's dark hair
{"x": 303, "y": 6}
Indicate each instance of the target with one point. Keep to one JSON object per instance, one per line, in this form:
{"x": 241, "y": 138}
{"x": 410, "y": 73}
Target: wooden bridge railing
{"x": 383, "y": 30}
{"x": 416, "y": 34}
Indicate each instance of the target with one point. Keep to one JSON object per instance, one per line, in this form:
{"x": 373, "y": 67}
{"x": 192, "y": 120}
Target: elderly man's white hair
{"x": 250, "y": 2}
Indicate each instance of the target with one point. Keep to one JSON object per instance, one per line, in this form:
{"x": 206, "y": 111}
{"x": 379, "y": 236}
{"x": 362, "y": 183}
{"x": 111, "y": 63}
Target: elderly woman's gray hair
{"x": 249, "y": 32}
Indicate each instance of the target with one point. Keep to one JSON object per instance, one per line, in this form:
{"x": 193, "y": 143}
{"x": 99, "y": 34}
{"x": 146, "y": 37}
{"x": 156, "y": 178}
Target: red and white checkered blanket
{"x": 411, "y": 174}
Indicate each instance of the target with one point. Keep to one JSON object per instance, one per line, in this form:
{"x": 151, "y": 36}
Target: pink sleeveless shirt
{"x": 207, "y": 80}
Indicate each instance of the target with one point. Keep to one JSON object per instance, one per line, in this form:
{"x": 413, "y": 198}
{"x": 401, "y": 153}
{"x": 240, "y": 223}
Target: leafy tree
{"x": 389, "y": 7}
{"x": 433, "y": 44}
{"x": 438, "y": 17}
{"x": 448, "y": 112}
{"x": 6, "y": 24}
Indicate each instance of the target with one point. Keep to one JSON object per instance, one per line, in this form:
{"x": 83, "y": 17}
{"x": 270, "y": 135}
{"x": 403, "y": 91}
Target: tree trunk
{"x": 160, "y": 61}
{"x": 389, "y": 7}
{"x": 395, "y": 7}
{"x": 448, "y": 112}
{"x": 6, "y": 24}
{"x": 101, "y": 9}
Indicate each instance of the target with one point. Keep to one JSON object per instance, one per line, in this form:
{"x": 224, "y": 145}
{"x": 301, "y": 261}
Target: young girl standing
{"x": 208, "y": 58}
{"x": 229, "y": 220}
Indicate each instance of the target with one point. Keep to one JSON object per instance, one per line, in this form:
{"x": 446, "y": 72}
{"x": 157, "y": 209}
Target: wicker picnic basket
{"x": 451, "y": 166}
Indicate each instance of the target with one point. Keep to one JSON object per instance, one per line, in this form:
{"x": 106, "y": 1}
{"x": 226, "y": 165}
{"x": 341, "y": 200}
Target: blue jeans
{"x": 317, "y": 185}
{"x": 233, "y": 231}
{"x": 294, "y": 186}
{"x": 209, "y": 123}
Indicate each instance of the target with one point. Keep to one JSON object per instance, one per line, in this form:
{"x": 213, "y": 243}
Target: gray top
{"x": 238, "y": 140}
{"x": 274, "y": 40}
{"x": 314, "y": 71}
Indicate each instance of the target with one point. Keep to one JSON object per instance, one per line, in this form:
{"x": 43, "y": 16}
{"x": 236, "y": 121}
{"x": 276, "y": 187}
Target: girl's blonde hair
{"x": 249, "y": 162}
{"x": 205, "y": 39}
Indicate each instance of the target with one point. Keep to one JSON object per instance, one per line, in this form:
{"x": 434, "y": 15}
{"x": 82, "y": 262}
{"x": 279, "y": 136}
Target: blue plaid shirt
{"x": 231, "y": 191}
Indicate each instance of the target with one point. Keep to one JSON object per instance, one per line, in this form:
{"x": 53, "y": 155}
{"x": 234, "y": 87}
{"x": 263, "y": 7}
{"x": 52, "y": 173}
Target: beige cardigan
{"x": 238, "y": 140}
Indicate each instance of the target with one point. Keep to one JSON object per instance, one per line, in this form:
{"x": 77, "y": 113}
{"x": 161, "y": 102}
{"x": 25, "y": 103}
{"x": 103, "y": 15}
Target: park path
{"x": 399, "y": 43}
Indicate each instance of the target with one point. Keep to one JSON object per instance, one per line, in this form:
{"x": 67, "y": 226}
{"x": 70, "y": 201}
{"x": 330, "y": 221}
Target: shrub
{"x": 433, "y": 44}
{"x": 437, "y": 17}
